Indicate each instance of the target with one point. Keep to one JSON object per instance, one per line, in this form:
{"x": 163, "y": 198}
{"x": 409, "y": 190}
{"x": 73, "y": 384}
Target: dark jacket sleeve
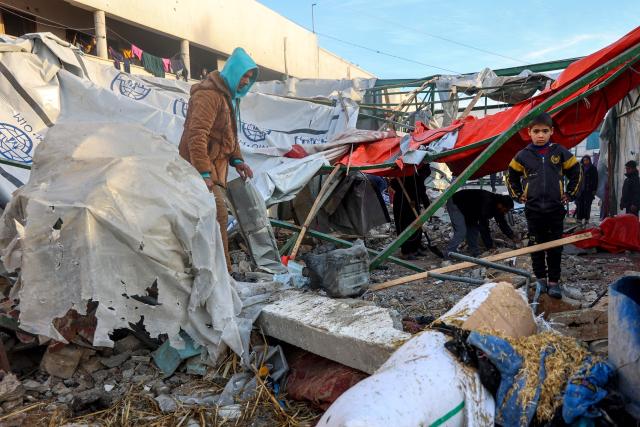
{"x": 504, "y": 226}
{"x": 635, "y": 192}
{"x": 572, "y": 169}
{"x": 515, "y": 171}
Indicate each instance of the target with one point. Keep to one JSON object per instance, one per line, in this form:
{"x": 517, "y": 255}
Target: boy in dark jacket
{"x": 536, "y": 178}
{"x": 630, "y": 200}
{"x": 588, "y": 193}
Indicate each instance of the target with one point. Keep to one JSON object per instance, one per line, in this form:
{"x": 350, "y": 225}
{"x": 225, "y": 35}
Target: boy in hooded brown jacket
{"x": 209, "y": 140}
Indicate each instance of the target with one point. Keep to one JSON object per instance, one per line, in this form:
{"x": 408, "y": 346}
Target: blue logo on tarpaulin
{"x": 253, "y": 132}
{"x": 180, "y": 106}
{"x": 15, "y": 144}
{"x": 129, "y": 87}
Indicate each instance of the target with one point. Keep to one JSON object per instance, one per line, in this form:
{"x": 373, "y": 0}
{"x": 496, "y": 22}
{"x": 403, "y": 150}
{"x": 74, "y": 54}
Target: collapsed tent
{"x": 128, "y": 226}
{"x": 575, "y": 117}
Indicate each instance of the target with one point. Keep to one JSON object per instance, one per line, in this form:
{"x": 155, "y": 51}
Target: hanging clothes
{"x": 117, "y": 57}
{"x": 127, "y": 53}
{"x": 137, "y": 52}
{"x": 166, "y": 65}
{"x": 127, "y": 65}
{"x": 153, "y": 64}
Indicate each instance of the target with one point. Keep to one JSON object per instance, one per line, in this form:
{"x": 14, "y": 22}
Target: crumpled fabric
{"x": 585, "y": 389}
{"x": 509, "y": 410}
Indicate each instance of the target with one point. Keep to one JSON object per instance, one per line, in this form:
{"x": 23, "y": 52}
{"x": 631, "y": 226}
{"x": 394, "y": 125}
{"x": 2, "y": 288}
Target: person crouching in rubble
{"x": 209, "y": 140}
{"x": 542, "y": 165}
{"x": 470, "y": 211}
{"x": 406, "y": 206}
{"x": 630, "y": 200}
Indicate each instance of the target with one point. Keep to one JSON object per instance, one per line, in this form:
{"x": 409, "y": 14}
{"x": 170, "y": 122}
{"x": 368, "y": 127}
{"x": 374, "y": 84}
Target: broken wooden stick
{"x": 498, "y": 257}
{"x": 317, "y": 204}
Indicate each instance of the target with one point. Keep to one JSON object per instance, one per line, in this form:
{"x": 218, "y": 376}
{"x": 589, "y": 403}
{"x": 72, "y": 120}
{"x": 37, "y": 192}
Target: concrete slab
{"x": 351, "y": 332}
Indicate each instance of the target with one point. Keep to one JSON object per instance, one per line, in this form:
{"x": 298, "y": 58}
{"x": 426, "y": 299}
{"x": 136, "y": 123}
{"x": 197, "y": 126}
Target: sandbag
{"x": 420, "y": 384}
{"x": 494, "y": 307}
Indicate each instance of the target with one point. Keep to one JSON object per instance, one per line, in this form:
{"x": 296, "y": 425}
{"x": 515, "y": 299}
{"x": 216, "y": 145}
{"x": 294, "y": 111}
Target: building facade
{"x": 201, "y": 32}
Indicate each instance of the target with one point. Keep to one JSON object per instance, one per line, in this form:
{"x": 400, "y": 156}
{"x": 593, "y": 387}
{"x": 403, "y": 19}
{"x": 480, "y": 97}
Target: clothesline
{"x": 151, "y": 63}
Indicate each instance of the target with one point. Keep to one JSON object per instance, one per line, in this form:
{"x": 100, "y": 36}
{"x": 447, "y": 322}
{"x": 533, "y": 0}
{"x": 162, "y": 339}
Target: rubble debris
{"x": 63, "y": 361}
{"x": 351, "y": 332}
{"x": 10, "y": 388}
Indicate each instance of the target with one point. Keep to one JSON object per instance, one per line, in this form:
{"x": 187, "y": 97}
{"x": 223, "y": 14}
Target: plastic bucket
{"x": 624, "y": 337}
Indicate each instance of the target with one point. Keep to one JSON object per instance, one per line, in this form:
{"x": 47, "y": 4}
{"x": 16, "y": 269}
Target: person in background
{"x": 588, "y": 193}
{"x": 630, "y": 200}
{"x": 470, "y": 211}
{"x": 210, "y": 137}
{"x": 542, "y": 165}
{"x": 204, "y": 73}
{"x": 405, "y": 208}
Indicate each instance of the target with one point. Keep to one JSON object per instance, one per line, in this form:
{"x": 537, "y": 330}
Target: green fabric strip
{"x": 446, "y": 417}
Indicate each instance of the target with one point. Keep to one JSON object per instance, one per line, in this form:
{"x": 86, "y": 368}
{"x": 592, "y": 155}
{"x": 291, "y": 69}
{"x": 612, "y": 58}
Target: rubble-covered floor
{"x": 121, "y": 386}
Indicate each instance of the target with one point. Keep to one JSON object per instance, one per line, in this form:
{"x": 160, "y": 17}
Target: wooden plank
{"x": 472, "y": 104}
{"x": 497, "y": 257}
{"x": 317, "y": 204}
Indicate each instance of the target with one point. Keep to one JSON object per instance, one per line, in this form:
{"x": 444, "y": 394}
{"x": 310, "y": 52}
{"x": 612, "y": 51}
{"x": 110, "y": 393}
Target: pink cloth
{"x": 167, "y": 64}
{"x": 137, "y": 52}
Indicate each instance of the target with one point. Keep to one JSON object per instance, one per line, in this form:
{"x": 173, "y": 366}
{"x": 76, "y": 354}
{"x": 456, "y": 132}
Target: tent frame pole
{"x": 632, "y": 55}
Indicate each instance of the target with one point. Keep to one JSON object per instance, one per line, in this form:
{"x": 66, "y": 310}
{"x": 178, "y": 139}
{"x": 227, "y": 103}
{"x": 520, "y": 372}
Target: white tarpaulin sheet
{"x": 113, "y": 214}
{"x": 270, "y": 125}
{"x": 316, "y": 88}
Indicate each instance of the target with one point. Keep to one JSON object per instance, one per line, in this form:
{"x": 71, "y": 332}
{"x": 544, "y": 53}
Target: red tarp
{"x": 572, "y": 125}
{"x": 616, "y": 234}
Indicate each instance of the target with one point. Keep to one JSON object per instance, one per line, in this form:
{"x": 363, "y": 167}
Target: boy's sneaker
{"x": 541, "y": 286}
{"x": 554, "y": 290}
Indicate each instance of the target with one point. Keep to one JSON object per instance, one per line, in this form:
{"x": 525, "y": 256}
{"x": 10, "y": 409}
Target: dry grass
{"x": 565, "y": 359}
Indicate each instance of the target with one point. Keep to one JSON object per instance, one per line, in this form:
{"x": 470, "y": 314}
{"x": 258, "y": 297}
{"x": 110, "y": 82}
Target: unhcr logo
{"x": 129, "y": 87}
{"x": 15, "y": 144}
{"x": 253, "y": 132}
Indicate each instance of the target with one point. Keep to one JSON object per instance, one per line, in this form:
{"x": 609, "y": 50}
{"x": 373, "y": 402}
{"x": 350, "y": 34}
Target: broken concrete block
{"x": 128, "y": 344}
{"x": 115, "y": 361}
{"x": 63, "y": 362}
{"x": 32, "y": 385}
{"x": 10, "y": 388}
{"x": 91, "y": 365}
{"x": 587, "y": 325}
{"x": 350, "y": 332}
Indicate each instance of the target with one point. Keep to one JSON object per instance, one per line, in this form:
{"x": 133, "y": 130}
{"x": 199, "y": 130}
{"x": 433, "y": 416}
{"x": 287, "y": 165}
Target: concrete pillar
{"x": 184, "y": 55}
{"x": 101, "y": 33}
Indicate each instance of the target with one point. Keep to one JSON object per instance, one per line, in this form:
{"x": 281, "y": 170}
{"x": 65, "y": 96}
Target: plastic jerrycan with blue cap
{"x": 624, "y": 337}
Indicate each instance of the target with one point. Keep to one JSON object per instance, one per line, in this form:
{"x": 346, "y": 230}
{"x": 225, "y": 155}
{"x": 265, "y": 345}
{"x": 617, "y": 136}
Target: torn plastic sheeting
{"x": 251, "y": 213}
{"x": 167, "y": 358}
{"x": 142, "y": 215}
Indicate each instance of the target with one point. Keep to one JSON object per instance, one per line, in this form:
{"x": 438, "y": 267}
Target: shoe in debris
{"x": 554, "y": 290}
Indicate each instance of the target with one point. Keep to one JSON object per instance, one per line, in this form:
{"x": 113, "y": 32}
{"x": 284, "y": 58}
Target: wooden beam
{"x": 497, "y": 257}
{"x": 317, "y": 204}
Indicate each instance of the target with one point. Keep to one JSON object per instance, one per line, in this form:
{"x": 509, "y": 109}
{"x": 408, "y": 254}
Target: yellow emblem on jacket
{"x": 555, "y": 159}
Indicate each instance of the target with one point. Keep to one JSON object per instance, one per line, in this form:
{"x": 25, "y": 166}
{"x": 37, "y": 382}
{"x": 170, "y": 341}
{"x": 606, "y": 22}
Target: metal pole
{"x": 313, "y": 20}
{"x": 629, "y": 55}
{"x": 490, "y": 264}
{"x": 328, "y": 238}
{"x": 457, "y": 278}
